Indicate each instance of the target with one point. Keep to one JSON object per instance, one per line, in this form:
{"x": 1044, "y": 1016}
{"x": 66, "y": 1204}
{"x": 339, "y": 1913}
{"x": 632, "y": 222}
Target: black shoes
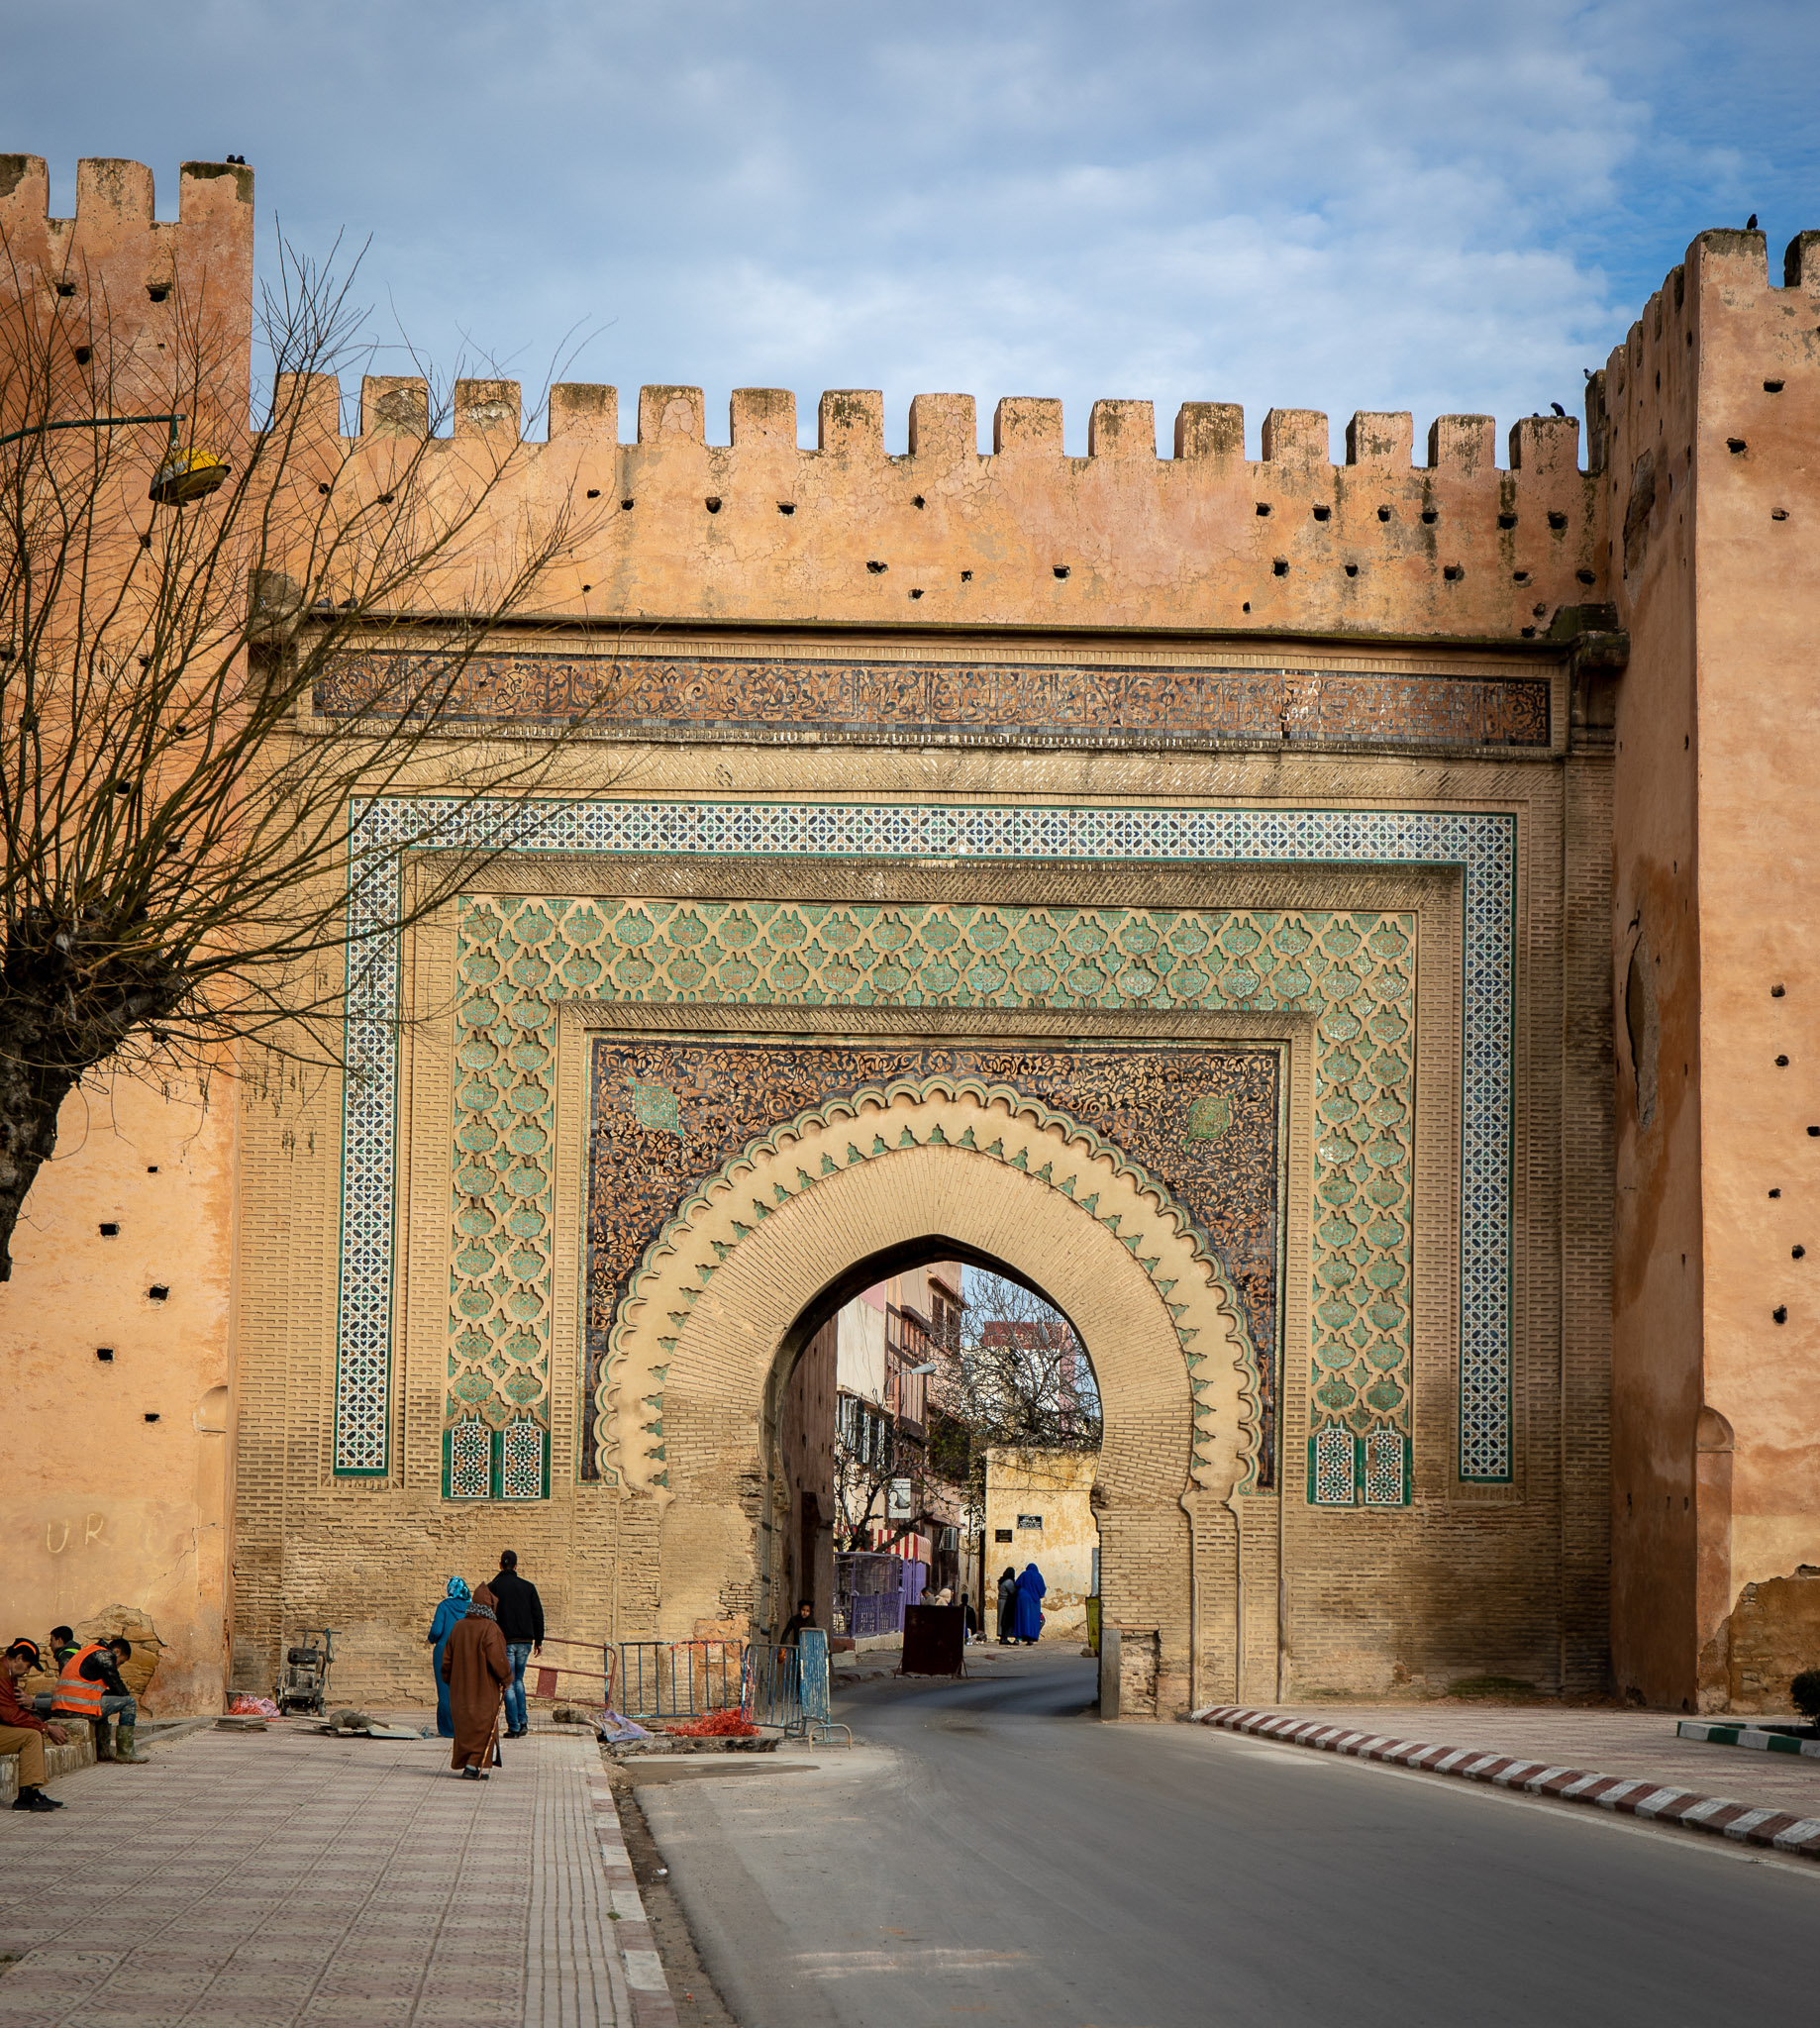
{"x": 472, "y": 1774}
{"x": 37, "y": 1800}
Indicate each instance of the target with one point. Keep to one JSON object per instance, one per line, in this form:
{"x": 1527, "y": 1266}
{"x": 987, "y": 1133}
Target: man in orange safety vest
{"x": 90, "y": 1687}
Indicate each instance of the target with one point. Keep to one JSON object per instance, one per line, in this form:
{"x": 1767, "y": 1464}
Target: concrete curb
{"x": 647, "y": 1988}
{"x": 1774, "y": 1829}
{"x": 1747, "y": 1735}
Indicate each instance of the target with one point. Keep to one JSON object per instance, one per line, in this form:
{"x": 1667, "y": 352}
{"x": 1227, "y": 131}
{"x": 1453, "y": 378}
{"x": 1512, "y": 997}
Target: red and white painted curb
{"x": 1774, "y": 1829}
{"x": 647, "y": 1988}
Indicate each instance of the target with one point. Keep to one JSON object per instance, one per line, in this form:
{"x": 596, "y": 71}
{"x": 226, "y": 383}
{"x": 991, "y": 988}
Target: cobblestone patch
{"x": 284, "y": 1878}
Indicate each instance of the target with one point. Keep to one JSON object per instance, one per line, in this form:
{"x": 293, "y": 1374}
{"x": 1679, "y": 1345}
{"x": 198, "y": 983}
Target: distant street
{"x": 992, "y": 1853}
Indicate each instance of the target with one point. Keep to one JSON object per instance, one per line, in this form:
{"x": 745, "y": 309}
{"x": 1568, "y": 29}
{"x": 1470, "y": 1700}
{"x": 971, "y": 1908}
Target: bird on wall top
{"x": 1557, "y": 407}
{"x": 1750, "y": 224}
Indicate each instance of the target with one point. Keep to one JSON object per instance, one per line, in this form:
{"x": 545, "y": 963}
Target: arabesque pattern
{"x": 1354, "y": 972}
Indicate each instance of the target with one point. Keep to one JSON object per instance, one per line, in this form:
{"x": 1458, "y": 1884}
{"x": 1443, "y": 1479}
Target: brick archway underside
{"x": 700, "y": 1337}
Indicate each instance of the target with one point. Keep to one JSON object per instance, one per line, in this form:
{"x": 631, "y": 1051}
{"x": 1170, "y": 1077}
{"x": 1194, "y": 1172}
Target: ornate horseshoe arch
{"x": 699, "y": 1330}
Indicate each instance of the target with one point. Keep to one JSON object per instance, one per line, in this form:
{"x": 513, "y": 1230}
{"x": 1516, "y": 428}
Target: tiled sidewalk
{"x": 284, "y": 1878}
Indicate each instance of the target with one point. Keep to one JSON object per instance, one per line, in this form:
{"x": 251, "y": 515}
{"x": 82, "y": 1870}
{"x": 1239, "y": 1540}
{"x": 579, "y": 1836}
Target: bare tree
{"x": 183, "y": 867}
{"x": 1019, "y": 1379}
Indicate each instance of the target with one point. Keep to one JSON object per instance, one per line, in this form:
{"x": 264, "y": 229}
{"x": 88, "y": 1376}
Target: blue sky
{"x": 1412, "y": 206}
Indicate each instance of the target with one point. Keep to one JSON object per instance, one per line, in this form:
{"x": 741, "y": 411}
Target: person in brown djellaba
{"x": 476, "y": 1668}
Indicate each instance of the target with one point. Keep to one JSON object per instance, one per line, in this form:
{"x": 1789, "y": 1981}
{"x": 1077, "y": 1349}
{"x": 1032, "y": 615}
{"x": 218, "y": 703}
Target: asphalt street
{"x": 992, "y": 1853}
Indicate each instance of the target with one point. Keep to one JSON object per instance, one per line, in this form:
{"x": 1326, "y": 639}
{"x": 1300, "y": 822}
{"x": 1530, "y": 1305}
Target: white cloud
{"x": 1396, "y": 205}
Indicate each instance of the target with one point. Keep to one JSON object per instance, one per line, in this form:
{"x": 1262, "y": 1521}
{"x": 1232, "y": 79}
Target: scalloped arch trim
{"x": 1015, "y": 1174}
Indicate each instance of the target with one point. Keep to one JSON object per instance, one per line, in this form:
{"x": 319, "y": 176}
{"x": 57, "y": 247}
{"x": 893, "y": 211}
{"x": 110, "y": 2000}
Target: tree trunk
{"x": 30, "y": 1097}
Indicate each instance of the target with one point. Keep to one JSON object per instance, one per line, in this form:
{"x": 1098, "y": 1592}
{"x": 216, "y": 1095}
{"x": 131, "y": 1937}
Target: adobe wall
{"x": 1714, "y": 404}
{"x": 118, "y": 1469}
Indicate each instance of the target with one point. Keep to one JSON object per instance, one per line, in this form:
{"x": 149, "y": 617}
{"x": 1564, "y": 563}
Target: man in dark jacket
{"x": 24, "y": 1733}
{"x": 520, "y": 1612}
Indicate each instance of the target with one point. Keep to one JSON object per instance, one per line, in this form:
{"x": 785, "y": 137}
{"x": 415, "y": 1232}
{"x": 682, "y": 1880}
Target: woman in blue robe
{"x": 1030, "y": 1591}
{"x": 447, "y": 1616}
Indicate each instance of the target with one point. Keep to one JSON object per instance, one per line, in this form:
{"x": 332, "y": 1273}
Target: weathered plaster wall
{"x": 117, "y": 1470}
{"x": 1058, "y": 1485}
{"x": 1713, "y": 499}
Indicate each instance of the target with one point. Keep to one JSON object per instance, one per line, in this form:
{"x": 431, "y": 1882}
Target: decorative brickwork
{"x": 1103, "y": 704}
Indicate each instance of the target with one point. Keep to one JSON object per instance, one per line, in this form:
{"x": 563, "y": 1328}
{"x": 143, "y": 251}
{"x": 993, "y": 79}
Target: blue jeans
{"x": 520, "y": 1654}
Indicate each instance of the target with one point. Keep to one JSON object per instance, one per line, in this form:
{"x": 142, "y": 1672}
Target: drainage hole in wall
{"x": 626, "y": 506}
{"x": 323, "y": 489}
{"x": 786, "y": 506}
{"x": 585, "y": 587}
{"x": 1352, "y": 569}
{"x": 1775, "y": 1193}
{"x": 83, "y": 355}
{"x": 966, "y": 577}
{"x": 593, "y": 492}
{"x": 157, "y": 291}
{"x": 1813, "y": 1133}
{"x": 1735, "y": 444}
{"x": 1797, "y": 1253}
{"x": 1519, "y": 578}
{"x": 1529, "y": 633}
{"x": 151, "y": 1415}
{"x": 875, "y": 568}
{"x": 151, "y": 1169}
{"x": 110, "y": 1232}
{"x": 1383, "y": 514}
{"x": 1781, "y": 1063}
{"x": 1453, "y": 573}
{"x": 1246, "y": 608}
{"x": 1557, "y": 522}
{"x": 1430, "y": 515}
{"x": 1263, "y": 507}
{"x": 1322, "y": 512}
{"x": 1507, "y": 521}
{"x": 65, "y": 288}
{"x": 1778, "y": 514}
{"x": 712, "y": 503}
{"x": 1776, "y": 993}
{"x": 105, "y": 1354}
{"x": 157, "y": 1292}
{"x": 916, "y": 591}
{"x": 1780, "y": 1313}
{"x": 1281, "y": 566}
{"x": 1062, "y": 570}
{"x": 1584, "y": 577}
{"x": 1773, "y": 388}
{"x": 917, "y": 500}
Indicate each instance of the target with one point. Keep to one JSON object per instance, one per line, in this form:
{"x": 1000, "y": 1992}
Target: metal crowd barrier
{"x": 677, "y": 1678}
{"x": 788, "y": 1688}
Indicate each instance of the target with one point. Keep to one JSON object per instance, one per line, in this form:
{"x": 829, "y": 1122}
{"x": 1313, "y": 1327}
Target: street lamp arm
{"x": 93, "y": 423}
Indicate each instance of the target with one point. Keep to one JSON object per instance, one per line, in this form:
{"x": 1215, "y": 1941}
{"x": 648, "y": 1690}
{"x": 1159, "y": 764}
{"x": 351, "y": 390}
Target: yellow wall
{"x": 1057, "y": 1484}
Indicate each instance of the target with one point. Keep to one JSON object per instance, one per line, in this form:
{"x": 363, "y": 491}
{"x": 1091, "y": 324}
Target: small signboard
{"x": 900, "y": 1500}
{"x": 1031, "y": 1521}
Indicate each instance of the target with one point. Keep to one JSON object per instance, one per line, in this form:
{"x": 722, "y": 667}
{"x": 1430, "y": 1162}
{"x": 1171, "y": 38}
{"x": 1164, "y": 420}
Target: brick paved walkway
{"x": 285, "y": 1877}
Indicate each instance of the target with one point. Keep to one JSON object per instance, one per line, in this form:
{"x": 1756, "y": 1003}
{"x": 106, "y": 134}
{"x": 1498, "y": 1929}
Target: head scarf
{"x": 457, "y": 1588}
{"x": 482, "y": 1606}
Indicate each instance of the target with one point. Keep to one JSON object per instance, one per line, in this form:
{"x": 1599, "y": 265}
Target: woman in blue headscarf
{"x": 1030, "y": 1591}
{"x": 447, "y": 1616}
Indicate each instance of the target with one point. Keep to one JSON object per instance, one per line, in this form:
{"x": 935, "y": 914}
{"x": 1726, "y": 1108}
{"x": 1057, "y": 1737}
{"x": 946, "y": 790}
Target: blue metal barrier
{"x": 788, "y": 1688}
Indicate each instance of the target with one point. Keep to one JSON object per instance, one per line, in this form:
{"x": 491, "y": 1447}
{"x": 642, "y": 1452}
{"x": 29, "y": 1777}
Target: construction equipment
{"x": 303, "y": 1681}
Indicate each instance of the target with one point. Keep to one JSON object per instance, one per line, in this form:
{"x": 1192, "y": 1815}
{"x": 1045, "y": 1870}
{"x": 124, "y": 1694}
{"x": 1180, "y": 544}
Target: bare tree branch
{"x": 181, "y": 862}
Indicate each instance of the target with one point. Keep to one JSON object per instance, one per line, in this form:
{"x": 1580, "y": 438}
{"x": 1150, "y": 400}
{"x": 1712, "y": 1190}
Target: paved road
{"x": 993, "y": 1853}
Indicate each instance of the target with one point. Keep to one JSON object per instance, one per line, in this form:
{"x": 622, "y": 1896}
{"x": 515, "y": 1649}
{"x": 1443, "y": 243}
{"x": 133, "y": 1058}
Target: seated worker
{"x": 22, "y": 1732}
{"x": 88, "y": 1687}
{"x": 63, "y": 1644}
